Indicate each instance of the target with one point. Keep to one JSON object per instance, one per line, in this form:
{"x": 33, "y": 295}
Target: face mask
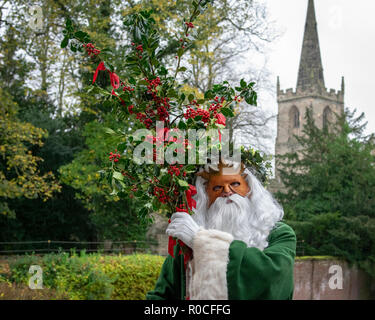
{"x": 224, "y": 185}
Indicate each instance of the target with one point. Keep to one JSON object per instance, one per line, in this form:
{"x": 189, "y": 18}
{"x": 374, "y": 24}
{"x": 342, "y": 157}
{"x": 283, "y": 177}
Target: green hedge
{"x": 92, "y": 276}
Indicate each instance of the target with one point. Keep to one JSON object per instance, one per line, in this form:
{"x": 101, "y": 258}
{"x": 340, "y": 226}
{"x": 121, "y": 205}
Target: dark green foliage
{"x": 66, "y": 215}
{"x": 92, "y": 276}
{"x": 331, "y": 185}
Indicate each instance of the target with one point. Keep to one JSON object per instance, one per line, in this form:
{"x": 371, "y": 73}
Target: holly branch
{"x": 144, "y": 93}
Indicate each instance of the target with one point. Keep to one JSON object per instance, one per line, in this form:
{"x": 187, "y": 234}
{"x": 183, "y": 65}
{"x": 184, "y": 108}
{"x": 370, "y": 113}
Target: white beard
{"x": 230, "y": 217}
{"x": 236, "y": 218}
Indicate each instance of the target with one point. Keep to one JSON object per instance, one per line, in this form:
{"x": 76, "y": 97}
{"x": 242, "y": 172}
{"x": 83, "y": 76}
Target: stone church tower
{"x": 310, "y": 92}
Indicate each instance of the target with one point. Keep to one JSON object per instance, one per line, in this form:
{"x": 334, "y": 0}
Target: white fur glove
{"x": 183, "y": 227}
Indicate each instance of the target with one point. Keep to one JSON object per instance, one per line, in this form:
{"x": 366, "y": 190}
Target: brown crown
{"x": 206, "y": 175}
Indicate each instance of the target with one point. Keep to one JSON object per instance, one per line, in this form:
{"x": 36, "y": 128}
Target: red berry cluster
{"x": 143, "y": 118}
{"x": 161, "y": 195}
{"x": 162, "y": 104}
{"x": 175, "y": 170}
{"x": 114, "y": 156}
{"x": 139, "y": 49}
{"x": 192, "y": 113}
{"x": 163, "y": 113}
{"x": 176, "y": 191}
{"x": 150, "y": 111}
{"x": 181, "y": 208}
{"x": 126, "y": 88}
{"x": 133, "y": 189}
{"x": 154, "y": 180}
{"x": 214, "y": 107}
{"x": 182, "y": 44}
{"x": 237, "y": 99}
{"x": 90, "y": 49}
{"x": 130, "y": 109}
{"x": 212, "y": 112}
{"x": 148, "y": 123}
{"x": 158, "y": 104}
{"x": 189, "y": 24}
{"x": 153, "y": 83}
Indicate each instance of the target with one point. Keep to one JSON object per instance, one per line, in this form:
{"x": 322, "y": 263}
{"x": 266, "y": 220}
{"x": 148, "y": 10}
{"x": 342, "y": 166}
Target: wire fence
{"x": 300, "y": 248}
{"x": 50, "y": 246}
{"x": 123, "y": 247}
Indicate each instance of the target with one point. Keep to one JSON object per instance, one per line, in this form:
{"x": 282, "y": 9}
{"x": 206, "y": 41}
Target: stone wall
{"x": 157, "y": 233}
{"x": 314, "y": 280}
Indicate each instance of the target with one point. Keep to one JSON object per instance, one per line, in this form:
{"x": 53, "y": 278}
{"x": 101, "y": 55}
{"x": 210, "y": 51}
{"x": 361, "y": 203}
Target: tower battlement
{"x": 292, "y": 94}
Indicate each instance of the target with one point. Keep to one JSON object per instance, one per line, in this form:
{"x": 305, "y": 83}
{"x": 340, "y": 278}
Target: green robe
{"x": 251, "y": 273}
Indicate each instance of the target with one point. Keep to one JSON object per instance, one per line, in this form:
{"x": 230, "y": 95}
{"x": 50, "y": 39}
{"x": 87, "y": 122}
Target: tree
{"x": 250, "y": 124}
{"x": 19, "y": 173}
{"x": 330, "y": 183}
{"x": 113, "y": 218}
{"x": 334, "y": 168}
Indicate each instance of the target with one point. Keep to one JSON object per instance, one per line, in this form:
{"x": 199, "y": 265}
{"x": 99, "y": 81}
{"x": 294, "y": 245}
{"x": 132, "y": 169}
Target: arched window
{"x": 327, "y": 114}
{"x": 294, "y": 117}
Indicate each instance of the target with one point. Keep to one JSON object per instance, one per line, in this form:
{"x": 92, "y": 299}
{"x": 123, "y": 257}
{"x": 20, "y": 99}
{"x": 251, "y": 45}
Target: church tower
{"x": 310, "y": 92}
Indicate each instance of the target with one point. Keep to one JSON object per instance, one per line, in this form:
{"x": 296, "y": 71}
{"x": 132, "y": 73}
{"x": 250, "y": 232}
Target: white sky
{"x": 346, "y": 34}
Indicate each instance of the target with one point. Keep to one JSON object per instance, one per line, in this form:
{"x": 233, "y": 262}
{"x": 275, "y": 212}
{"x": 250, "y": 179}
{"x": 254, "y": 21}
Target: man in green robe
{"x": 241, "y": 249}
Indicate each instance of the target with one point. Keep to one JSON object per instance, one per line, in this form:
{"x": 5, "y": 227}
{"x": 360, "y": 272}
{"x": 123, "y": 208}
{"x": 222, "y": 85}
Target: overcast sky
{"x": 347, "y": 42}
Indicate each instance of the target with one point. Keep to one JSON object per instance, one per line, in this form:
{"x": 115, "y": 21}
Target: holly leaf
{"x": 182, "y": 125}
{"x": 81, "y": 35}
{"x": 68, "y": 23}
{"x": 142, "y": 82}
{"x": 183, "y": 184}
{"x": 118, "y": 175}
{"x": 243, "y": 83}
{"x": 121, "y": 147}
{"x": 109, "y": 131}
{"x": 64, "y": 42}
{"x": 209, "y": 94}
{"x": 227, "y": 112}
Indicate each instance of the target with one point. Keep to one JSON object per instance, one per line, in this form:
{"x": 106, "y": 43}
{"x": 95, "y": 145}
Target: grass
{"x": 303, "y": 258}
{"x": 12, "y": 291}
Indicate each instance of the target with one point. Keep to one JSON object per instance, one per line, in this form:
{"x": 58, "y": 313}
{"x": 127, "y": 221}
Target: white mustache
{"x": 233, "y": 200}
